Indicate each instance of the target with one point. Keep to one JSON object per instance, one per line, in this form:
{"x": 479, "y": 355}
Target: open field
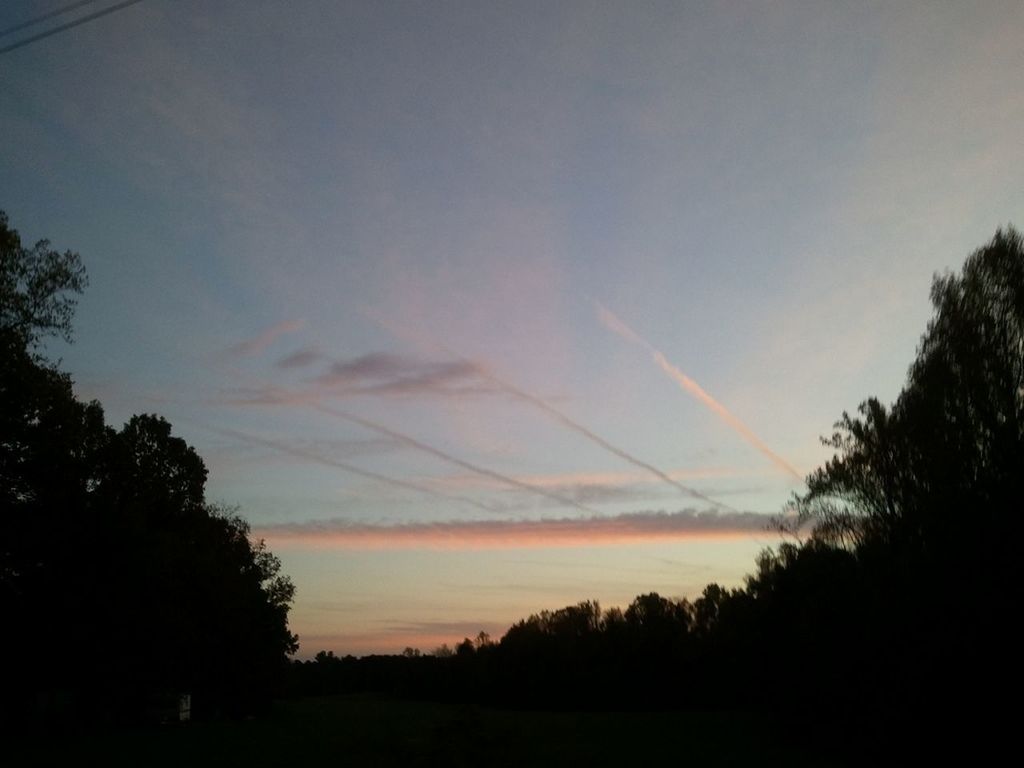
{"x": 376, "y": 731}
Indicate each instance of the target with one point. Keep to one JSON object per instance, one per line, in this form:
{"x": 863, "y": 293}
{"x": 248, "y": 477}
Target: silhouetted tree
{"x": 482, "y": 640}
{"x": 51, "y": 448}
{"x": 946, "y": 462}
{"x": 654, "y": 613}
{"x": 927, "y": 494}
{"x": 37, "y": 287}
{"x": 707, "y": 608}
{"x": 116, "y": 576}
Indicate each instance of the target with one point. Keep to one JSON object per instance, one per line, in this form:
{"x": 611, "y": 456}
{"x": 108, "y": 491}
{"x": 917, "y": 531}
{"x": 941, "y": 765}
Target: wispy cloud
{"x": 593, "y": 479}
{"x": 614, "y": 324}
{"x": 300, "y": 359}
{"x": 345, "y": 449}
{"x": 318, "y": 458}
{"x": 603, "y": 487}
{"x": 497, "y": 534}
{"x": 386, "y": 374}
{"x": 258, "y": 343}
{"x": 447, "y": 457}
{"x": 375, "y": 374}
{"x": 375, "y": 365}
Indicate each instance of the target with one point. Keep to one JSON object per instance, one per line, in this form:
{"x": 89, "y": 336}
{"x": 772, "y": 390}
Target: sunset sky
{"x": 476, "y": 309}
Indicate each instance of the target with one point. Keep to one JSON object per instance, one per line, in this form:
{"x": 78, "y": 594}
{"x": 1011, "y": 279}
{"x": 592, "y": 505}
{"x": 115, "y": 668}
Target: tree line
{"x": 121, "y": 586}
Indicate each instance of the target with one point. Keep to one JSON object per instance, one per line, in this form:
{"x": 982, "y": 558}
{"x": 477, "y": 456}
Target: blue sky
{"x": 412, "y": 214}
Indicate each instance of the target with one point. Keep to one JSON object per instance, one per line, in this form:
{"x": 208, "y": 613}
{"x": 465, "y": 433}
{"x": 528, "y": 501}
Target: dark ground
{"x": 377, "y": 731}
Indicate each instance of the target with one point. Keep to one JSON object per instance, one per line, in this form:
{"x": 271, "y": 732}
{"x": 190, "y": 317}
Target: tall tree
{"x": 927, "y": 494}
{"x": 944, "y": 467}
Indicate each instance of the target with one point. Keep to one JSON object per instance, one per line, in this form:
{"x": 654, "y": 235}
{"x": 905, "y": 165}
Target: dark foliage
{"x": 35, "y": 284}
{"x": 928, "y": 494}
{"x": 120, "y": 585}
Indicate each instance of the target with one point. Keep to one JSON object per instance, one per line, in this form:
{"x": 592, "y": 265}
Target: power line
{"x": 77, "y": 22}
{"x": 44, "y": 17}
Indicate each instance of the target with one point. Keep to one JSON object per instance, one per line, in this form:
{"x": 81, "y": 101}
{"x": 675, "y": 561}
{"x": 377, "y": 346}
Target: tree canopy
{"x": 37, "y": 287}
{"x": 944, "y": 466}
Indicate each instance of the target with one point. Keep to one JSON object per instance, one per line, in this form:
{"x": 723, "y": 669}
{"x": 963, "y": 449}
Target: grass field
{"x": 377, "y": 731}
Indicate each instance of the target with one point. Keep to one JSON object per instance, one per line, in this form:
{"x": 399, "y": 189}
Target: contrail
{"x": 695, "y": 389}
{"x": 414, "y": 443}
{"x": 554, "y": 413}
{"x": 614, "y": 324}
{"x": 566, "y": 421}
{"x": 284, "y": 448}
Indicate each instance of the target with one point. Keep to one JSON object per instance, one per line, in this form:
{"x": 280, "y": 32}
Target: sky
{"x": 478, "y": 309}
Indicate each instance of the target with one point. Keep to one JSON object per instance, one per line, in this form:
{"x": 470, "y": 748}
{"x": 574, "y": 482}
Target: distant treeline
{"x": 898, "y": 593}
{"x": 814, "y": 627}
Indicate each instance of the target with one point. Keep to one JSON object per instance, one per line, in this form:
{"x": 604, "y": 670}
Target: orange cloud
{"x": 512, "y": 534}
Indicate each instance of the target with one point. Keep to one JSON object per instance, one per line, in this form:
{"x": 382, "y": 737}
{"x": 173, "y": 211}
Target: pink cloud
{"x": 386, "y": 374}
{"x": 299, "y": 359}
{"x": 502, "y": 534}
{"x": 375, "y": 374}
